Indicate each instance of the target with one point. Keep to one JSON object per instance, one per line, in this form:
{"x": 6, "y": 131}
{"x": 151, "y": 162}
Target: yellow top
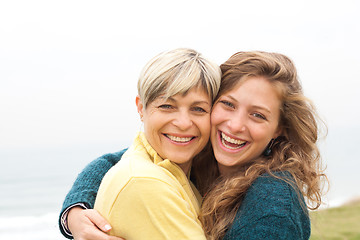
{"x": 146, "y": 197}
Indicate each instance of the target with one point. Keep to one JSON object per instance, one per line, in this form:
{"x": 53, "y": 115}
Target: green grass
{"x": 336, "y": 223}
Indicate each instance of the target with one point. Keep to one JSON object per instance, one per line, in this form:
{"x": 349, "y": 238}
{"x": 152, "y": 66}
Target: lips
{"x": 231, "y": 143}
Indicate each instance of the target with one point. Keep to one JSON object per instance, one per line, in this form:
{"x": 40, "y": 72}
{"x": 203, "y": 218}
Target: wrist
{"x": 65, "y": 215}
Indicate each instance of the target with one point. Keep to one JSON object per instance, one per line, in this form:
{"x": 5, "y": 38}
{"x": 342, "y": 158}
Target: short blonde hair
{"x": 177, "y": 71}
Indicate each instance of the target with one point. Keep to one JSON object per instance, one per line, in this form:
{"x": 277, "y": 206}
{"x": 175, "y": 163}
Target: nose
{"x": 183, "y": 120}
{"x": 238, "y": 123}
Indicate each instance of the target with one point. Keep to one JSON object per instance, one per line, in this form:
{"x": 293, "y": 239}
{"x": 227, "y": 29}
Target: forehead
{"x": 196, "y": 94}
{"x": 255, "y": 91}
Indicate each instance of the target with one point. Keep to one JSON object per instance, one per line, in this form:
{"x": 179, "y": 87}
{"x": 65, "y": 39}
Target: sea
{"x": 34, "y": 182}
{"x": 33, "y": 185}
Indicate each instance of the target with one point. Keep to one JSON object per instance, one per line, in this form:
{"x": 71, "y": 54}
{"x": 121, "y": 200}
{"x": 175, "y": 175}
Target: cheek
{"x": 262, "y": 135}
{"x": 217, "y": 116}
{"x": 204, "y": 126}
{"x": 153, "y": 123}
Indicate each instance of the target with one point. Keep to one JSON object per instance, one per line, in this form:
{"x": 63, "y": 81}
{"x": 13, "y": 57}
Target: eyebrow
{"x": 254, "y": 106}
{"x": 196, "y": 102}
{"x": 200, "y": 102}
{"x": 263, "y": 108}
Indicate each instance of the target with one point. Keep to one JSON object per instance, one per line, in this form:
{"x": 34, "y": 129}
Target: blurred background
{"x": 68, "y": 74}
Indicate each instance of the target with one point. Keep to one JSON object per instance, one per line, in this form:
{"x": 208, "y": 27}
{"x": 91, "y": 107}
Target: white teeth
{"x": 179, "y": 139}
{"x": 227, "y": 146}
{"x": 231, "y": 140}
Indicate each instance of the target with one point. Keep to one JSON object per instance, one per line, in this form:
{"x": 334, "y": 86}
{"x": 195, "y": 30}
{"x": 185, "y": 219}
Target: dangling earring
{"x": 267, "y": 151}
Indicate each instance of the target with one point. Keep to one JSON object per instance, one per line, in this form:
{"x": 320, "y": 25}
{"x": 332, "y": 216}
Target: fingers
{"x": 98, "y": 220}
{"x": 115, "y": 238}
{"x": 89, "y": 225}
{"x": 96, "y": 234}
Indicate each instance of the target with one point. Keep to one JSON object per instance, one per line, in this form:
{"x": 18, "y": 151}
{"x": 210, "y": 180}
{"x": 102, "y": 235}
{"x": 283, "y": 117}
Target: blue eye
{"x": 199, "y": 109}
{"x": 227, "y": 103}
{"x": 258, "y": 115}
{"x": 165, "y": 106}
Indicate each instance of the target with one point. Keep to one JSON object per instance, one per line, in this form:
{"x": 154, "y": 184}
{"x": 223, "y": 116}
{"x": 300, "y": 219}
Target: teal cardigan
{"x": 87, "y": 183}
{"x": 271, "y": 209}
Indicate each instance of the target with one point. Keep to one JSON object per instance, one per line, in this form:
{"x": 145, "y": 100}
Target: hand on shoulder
{"x": 88, "y": 224}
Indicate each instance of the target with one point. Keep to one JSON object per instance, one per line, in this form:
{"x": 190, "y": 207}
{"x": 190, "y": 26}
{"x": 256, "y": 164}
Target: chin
{"x": 179, "y": 159}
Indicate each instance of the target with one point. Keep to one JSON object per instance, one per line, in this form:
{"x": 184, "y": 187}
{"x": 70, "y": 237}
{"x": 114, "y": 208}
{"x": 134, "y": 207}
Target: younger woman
{"x": 263, "y": 136}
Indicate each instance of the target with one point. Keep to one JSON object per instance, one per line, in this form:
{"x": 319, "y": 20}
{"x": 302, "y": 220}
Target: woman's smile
{"x": 176, "y": 139}
{"x": 230, "y": 143}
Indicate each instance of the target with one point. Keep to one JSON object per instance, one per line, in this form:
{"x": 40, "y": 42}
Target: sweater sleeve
{"x": 86, "y": 185}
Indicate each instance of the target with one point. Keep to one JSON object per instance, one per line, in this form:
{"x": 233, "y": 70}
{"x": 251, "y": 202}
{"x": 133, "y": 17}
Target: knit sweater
{"x": 86, "y": 185}
{"x": 271, "y": 209}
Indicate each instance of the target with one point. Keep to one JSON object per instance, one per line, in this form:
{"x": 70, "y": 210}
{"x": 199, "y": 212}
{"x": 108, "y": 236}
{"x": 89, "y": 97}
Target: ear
{"x": 140, "y": 107}
{"x": 278, "y": 133}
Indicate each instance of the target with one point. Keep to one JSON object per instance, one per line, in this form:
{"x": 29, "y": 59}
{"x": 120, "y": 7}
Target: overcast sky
{"x": 68, "y": 69}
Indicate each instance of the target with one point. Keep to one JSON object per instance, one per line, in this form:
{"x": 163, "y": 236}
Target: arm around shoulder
{"x": 88, "y": 181}
{"x": 86, "y": 185}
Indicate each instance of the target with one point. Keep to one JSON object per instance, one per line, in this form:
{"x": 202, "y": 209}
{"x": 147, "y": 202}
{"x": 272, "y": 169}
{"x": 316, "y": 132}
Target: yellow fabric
{"x": 146, "y": 197}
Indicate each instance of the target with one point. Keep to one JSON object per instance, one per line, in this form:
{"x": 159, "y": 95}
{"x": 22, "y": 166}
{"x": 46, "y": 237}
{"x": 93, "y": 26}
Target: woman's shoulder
{"x": 273, "y": 184}
{"x": 137, "y": 166}
{"x": 274, "y": 193}
{"x": 272, "y": 205}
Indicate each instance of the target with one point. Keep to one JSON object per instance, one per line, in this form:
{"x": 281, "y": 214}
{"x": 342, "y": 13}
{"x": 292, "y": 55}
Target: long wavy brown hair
{"x": 295, "y": 151}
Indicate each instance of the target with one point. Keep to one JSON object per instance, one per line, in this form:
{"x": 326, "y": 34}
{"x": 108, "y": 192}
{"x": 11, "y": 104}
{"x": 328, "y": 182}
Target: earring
{"x": 267, "y": 151}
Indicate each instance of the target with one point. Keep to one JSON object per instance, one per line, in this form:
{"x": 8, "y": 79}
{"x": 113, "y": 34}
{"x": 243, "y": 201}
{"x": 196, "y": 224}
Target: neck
{"x": 185, "y": 167}
{"x": 230, "y": 170}
{"x": 226, "y": 170}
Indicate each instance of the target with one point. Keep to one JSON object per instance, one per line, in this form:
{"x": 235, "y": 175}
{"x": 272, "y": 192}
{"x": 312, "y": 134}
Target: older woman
{"x": 263, "y": 159}
{"x": 148, "y": 194}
